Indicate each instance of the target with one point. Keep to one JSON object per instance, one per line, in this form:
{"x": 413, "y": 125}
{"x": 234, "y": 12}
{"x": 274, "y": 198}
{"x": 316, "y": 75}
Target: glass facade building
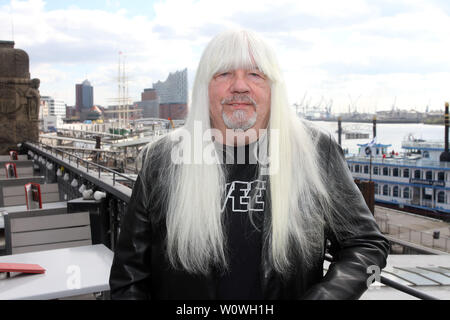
{"x": 84, "y": 96}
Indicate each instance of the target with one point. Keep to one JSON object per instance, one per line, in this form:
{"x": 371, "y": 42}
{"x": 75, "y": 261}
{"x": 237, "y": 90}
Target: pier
{"x": 410, "y": 233}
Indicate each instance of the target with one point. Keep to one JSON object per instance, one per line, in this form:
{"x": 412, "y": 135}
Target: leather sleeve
{"x": 353, "y": 252}
{"x": 130, "y": 271}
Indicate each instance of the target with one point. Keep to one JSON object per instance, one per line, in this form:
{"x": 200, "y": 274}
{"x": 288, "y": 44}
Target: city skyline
{"x": 372, "y": 54}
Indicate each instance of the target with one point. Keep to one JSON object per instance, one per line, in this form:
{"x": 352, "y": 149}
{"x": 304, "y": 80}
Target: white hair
{"x": 192, "y": 194}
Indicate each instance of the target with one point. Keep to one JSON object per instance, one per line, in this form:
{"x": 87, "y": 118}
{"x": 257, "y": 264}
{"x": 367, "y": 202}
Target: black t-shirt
{"x": 242, "y": 280}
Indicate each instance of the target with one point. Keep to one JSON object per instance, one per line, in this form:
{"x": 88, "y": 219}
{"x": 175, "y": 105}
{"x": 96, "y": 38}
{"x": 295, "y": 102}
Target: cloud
{"x": 375, "y": 49}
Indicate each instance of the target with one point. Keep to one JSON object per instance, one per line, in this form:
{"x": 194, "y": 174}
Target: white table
{"x": 48, "y": 205}
{"x": 62, "y": 266}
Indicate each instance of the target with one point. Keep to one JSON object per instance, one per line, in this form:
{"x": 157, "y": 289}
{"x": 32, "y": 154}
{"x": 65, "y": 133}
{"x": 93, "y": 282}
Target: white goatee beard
{"x": 239, "y": 120}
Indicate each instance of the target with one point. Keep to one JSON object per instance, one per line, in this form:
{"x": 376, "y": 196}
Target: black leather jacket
{"x": 141, "y": 270}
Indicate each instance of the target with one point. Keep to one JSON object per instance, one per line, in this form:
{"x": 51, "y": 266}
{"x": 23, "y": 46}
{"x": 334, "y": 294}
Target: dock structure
{"x": 69, "y": 139}
{"x": 411, "y": 233}
{"x": 356, "y": 135}
{"x": 108, "y": 149}
{"x": 88, "y": 134}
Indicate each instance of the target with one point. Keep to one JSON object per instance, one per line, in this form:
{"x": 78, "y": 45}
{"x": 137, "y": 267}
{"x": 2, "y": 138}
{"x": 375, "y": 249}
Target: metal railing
{"x": 425, "y": 239}
{"x": 424, "y": 144}
{"x": 117, "y": 199}
{"x": 392, "y": 162}
{"x": 79, "y": 133}
{"x": 396, "y": 285}
{"x": 88, "y": 165}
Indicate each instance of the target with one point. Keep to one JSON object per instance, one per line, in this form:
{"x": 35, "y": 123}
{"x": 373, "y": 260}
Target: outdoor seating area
{"x": 55, "y": 236}
{"x": 22, "y": 171}
{"x": 21, "y": 182}
{"x": 20, "y": 157}
{"x": 14, "y": 196}
{"x": 40, "y": 230}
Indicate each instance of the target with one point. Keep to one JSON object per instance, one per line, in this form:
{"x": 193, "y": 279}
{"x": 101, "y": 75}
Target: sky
{"x": 369, "y": 55}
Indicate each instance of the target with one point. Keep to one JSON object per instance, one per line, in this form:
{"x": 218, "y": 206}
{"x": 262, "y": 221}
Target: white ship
{"x": 414, "y": 179}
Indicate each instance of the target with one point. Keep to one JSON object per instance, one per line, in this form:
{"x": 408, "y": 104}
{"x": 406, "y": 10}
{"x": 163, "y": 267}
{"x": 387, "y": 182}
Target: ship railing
{"x": 427, "y": 203}
{"x": 419, "y": 145}
{"x": 378, "y": 159}
{"x": 395, "y": 161}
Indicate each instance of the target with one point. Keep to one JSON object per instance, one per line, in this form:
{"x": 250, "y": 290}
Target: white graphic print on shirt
{"x": 239, "y": 194}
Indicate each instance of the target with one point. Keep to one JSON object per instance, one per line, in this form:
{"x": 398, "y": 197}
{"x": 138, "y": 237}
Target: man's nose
{"x": 239, "y": 84}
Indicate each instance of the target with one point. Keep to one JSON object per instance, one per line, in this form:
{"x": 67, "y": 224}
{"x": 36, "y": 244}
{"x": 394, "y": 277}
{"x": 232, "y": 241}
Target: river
{"x": 387, "y": 133}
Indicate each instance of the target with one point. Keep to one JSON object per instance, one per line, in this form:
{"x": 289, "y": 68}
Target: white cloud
{"x": 327, "y": 48}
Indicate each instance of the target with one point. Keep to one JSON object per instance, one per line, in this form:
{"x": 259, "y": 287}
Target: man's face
{"x": 239, "y": 99}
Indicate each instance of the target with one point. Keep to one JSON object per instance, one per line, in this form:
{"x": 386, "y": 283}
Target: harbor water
{"x": 387, "y": 133}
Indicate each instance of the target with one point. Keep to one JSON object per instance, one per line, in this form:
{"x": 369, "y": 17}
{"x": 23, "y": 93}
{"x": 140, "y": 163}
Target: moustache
{"x": 238, "y": 98}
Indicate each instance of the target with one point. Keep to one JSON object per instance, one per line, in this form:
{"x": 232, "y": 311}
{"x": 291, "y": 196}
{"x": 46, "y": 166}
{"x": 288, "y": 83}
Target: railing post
{"x": 112, "y": 222}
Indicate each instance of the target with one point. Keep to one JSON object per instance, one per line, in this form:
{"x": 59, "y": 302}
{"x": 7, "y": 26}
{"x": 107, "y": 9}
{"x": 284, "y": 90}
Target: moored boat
{"x": 414, "y": 179}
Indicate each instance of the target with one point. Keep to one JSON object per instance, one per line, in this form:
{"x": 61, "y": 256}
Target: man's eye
{"x": 255, "y": 74}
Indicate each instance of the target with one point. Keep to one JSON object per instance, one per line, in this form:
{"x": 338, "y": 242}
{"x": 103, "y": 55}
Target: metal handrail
{"x": 92, "y": 132}
{"x": 88, "y": 163}
{"x": 396, "y": 285}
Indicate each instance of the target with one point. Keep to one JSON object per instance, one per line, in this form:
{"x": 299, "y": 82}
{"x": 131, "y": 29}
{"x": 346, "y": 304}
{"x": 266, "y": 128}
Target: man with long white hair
{"x": 245, "y": 199}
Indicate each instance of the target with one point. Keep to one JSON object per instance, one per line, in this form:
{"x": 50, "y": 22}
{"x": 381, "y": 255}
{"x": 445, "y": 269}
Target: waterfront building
{"x": 51, "y": 123}
{"x": 84, "y": 99}
{"x": 149, "y": 95}
{"x": 166, "y": 99}
{"x": 149, "y": 103}
{"x": 71, "y": 112}
{"x": 84, "y": 96}
{"x": 116, "y": 112}
{"x": 43, "y": 110}
{"x": 95, "y": 113}
{"x": 54, "y": 107}
{"x": 174, "y": 89}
